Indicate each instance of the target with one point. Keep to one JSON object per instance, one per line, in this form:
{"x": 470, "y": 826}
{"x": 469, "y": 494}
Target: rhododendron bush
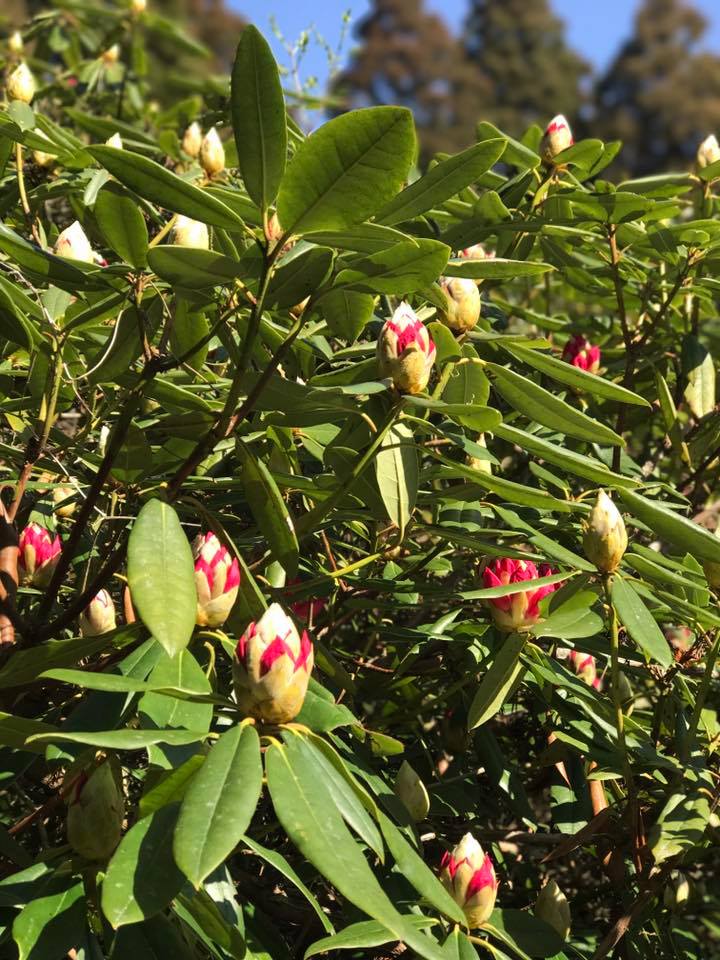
{"x": 358, "y": 566}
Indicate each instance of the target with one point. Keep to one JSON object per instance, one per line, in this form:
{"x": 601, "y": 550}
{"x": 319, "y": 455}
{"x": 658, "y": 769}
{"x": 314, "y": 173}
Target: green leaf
{"x": 699, "y": 373}
{"x": 397, "y": 472}
{"x": 401, "y": 269}
{"x": 125, "y": 739}
{"x": 442, "y": 182}
{"x": 194, "y": 269}
{"x": 154, "y": 939}
{"x": 122, "y": 347}
{"x": 41, "y": 266}
{"x": 258, "y": 116}
{"x": 308, "y": 815}
{"x": 683, "y": 819}
{"x": 496, "y": 268}
{"x": 574, "y": 376}
{"x": 498, "y": 681}
{"x": 122, "y": 224}
{"x": 366, "y": 933}
{"x": 639, "y": 622}
{"x": 51, "y": 924}
{"x": 540, "y": 406}
{"x": 524, "y": 931}
{"x": 269, "y": 510}
{"x": 298, "y": 277}
{"x": 153, "y": 182}
{"x": 14, "y": 731}
{"x": 278, "y": 861}
{"x": 142, "y": 877}
{"x": 160, "y": 562}
{"x": 219, "y": 804}
{"x": 671, "y": 526}
{"x": 346, "y": 170}
{"x": 347, "y": 312}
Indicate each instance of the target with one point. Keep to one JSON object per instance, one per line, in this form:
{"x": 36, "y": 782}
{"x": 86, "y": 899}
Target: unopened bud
{"x": 138, "y": 6}
{"x": 62, "y": 504}
{"x": 21, "y": 84}
{"x": 405, "y": 351}
{"x": 553, "y": 908}
{"x": 412, "y": 793}
{"x": 677, "y": 891}
{"x": 74, "y": 244}
{"x": 114, "y": 141}
{"x": 43, "y": 159}
{"x": 557, "y": 137}
{"x": 99, "y": 616}
{"x": 463, "y": 304}
{"x": 190, "y": 233}
{"x": 95, "y": 813}
{"x": 467, "y": 873}
{"x": 15, "y": 42}
{"x": 605, "y": 537}
{"x": 111, "y": 55}
{"x": 192, "y": 140}
{"x": 212, "y": 153}
{"x": 708, "y": 152}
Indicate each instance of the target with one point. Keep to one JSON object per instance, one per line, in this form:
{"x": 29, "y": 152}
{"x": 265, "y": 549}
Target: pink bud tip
{"x": 582, "y": 354}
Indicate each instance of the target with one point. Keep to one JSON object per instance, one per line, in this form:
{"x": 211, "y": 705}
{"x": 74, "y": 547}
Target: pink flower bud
{"x": 273, "y": 667}
{"x": 39, "y": 553}
{"x": 467, "y": 873}
{"x": 585, "y": 667}
{"x": 217, "y": 579}
{"x": 557, "y": 137}
{"x": 305, "y": 610}
{"x": 517, "y": 611}
{"x": 98, "y": 616}
{"x": 405, "y": 352}
{"x": 477, "y": 252}
{"x": 582, "y": 354}
{"x": 463, "y": 304}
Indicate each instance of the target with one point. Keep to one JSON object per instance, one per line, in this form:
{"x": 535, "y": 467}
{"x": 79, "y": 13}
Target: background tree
{"x": 520, "y": 49}
{"x": 408, "y": 57}
{"x": 661, "y": 93}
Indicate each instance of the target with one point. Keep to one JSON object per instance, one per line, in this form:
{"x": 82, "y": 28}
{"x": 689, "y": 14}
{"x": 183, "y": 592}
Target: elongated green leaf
{"x": 496, "y": 268}
{"x": 671, "y": 526}
{"x": 516, "y": 153}
{"x": 346, "y": 170}
{"x": 258, "y": 114}
{"x": 219, "y": 804}
{"x": 443, "y": 181}
{"x": 521, "y": 930}
{"x": 14, "y": 731}
{"x": 51, "y": 924}
{"x": 125, "y": 739}
{"x": 278, "y": 861}
{"x": 639, "y": 623}
{"x": 397, "y": 472}
{"x": 366, "y": 933}
{"x": 347, "y": 312}
{"x": 153, "y": 182}
{"x": 194, "y": 269}
{"x": 699, "y": 373}
{"x": 299, "y": 277}
{"x": 41, "y": 266}
{"x": 159, "y": 561}
{"x": 154, "y": 939}
{"x": 498, "y": 681}
{"x": 506, "y": 590}
{"x": 538, "y": 404}
{"x": 15, "y": 323}
{"x": 122, "y": 224}
{"x": 142, "y": 877}
{"x": 574, "y": 376}
{"x": 401, "y": 269}
{"x": 307, "y": 813}
{"x": 269, "y": 510}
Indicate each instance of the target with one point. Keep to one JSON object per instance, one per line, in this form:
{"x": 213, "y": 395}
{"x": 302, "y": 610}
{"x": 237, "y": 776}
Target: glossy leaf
{"x": 269, "y": 510}
{"x": 122, "y": 224}
{"x": 639, "y": 623}
{"x": 498, "y": 680}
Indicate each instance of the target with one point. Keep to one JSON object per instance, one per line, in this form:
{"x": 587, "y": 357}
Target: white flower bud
{"x": 605, "y": 537}
{"x": 463, "y": 304}
{"x": 212, "y": 154}
{"x": 190, "y": 233}
{"x": 708, "y": 152}
{"x": 15, "y": 42}
{"x": 138, "y": 6}
{"x": 192, "y": 140}
{"x": 74, "y": 244}
{"x": 552, "y": 907}
{"x": 114, "y": 141}
{"x": 111, "y": 55}
{"x": 557, "y": 137}
{"x": 21, "y": 84}
{"x": 99, "y": 615}
{"x": 412, "y": 793}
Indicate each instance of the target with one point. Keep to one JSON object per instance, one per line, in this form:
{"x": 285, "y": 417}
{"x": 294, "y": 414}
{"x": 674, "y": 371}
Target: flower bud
{"x": 138, "y": 6}
{"x": 677, "y": 891}
{"x": 95, "y": 813}
{"x": 405, "y": 352}
{"x": 557, "y": 137}
{"x": 74, "y": 244}
{"x": 306, "y": 610}
{"x": 15, "y": 42}
{"x": 516, "y": 611}
{"x": 553, "y": 908}
{"x": 190, "y": 233}
{"x": 272, "y": 668}
{"x": 605, "y": 537}
{"x": 212, "y": 153}
{"x": 467, "y": 873}
{"x": 62, "y": 505}
{"x": 582, "y": 354}
{"x": 114, "y": 141}
{"x": 98, "y": 616}
{"x": 412, "y": 793}
{"x": 708, "y": 152}
{"x": 20, "y": 84}
{"x": 111, "y": 55}
{"x": 38, "y": 555}
{"x": 217, "y": 580}
{"x": 463, "y": 304}
{"x": 477, "y": 252}
{"x": 43, "y": 159}
{"x": 585, "y": 667}
{"x": 192, "y": 140}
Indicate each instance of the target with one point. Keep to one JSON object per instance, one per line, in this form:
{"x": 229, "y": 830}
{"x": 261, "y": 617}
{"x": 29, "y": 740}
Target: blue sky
{"x": 593, "y": 28}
